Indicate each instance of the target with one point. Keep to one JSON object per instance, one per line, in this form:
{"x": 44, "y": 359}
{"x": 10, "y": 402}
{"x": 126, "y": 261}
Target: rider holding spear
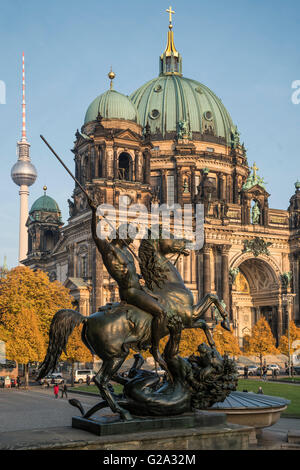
{"x": 118, "y": 259}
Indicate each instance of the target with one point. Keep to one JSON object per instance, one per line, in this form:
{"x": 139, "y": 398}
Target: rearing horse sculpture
{"x": 116, "y": 328}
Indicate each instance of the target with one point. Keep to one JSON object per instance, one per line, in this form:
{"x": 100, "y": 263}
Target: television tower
{"x": 24, "y": 174}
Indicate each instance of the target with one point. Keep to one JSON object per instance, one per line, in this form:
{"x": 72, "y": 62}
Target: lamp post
{"x": 288, "y": 300}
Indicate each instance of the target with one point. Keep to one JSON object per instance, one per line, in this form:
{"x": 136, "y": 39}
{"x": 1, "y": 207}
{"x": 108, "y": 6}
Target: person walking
{"x": 56, "y": 390}
{"x": 245, "y": 372}
{"x": 264, "y": 375}
{"x": 18, "y": 382}
{"x": 286, "y": 368}
{"x": 64, "y": 390}
{"x": 88, "y": 380}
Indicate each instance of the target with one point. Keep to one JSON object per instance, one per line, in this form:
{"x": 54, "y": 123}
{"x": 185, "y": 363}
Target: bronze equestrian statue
{"x": 139, "y": 321}
{"x": 112, "y": 331}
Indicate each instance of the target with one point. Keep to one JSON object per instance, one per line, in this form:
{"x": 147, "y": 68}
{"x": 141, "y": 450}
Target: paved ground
{"x": 47, "y": 419}
{"x": 37, "y": 408}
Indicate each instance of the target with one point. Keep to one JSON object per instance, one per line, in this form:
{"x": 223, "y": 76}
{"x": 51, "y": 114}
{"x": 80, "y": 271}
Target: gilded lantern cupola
{"x": 170, "y": 61}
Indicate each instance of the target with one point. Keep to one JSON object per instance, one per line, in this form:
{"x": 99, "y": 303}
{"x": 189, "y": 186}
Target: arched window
{"x": 125, "y": 167}
{"x": 49, "y": 240}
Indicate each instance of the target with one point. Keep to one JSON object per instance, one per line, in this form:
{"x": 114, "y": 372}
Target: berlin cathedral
{"x": 173, "y": 141}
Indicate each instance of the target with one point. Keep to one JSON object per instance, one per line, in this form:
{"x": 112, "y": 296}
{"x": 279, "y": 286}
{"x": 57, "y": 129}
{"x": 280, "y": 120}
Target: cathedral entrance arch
{"x": 255, "y": 294}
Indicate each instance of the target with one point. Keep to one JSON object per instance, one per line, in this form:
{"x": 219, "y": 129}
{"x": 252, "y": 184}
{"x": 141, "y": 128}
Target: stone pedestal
{"x": 198, "y": 431}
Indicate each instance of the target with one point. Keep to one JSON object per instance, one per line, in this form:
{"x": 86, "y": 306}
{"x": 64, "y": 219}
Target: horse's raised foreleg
{"x": 204, "y": 304}
{"x": 203, "y": 325}
{"x": 109, "y": 368}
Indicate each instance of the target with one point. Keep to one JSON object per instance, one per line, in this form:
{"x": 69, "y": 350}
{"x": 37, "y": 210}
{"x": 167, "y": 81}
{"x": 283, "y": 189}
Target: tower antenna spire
{"x": 23, "y": 101}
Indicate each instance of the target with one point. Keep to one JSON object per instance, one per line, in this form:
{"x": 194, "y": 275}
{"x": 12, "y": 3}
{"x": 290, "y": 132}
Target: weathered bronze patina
{"x": 142, "y": 317}
{"x": 116, "y": 328}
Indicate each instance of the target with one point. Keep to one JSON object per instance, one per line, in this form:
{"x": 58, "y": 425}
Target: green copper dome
{"x": 112, "y": 104}
{"x": 170, "y": 101}
{"x": 44, "y": 204}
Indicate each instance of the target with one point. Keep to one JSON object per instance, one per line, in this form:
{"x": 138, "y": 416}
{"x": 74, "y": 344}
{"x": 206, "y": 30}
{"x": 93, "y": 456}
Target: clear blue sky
{"x": 246, "y": 51}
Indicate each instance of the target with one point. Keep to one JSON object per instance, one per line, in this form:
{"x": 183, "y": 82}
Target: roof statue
{"x": 254, "y": 179}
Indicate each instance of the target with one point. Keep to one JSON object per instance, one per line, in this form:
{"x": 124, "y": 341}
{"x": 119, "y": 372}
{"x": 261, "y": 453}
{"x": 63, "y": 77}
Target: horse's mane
{"x": 152, "y": 272}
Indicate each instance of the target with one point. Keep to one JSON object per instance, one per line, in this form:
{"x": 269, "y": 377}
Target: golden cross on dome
{"x": 171, "y": 12}
{"x": 255, "y": 169}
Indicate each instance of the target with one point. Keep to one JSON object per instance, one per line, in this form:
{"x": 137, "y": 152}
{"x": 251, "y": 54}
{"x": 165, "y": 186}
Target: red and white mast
{"x": 24, "y": 175}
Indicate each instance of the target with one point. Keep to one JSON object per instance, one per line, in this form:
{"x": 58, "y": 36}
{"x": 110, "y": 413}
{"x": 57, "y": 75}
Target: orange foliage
{"x": 28, "y": 301}
{"x": 261, "y": 341}
{"x": 284, "y": 342}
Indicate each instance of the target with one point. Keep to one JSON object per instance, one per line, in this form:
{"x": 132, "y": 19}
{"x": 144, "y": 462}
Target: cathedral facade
{"x": 172, "y": 141}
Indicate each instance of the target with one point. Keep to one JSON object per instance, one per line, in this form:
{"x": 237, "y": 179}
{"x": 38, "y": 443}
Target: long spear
{"x": 85, "y": 192}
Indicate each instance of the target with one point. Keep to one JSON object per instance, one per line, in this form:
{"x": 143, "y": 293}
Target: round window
{"x": 158, "y": 88}
{"x": 154, "y": 114}
{"x": 208, "y": 115}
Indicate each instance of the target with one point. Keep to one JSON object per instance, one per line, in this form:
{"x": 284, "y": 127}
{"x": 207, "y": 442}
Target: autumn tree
{"x": 226, "y": 342}
{"x": 284, "y": 341}
{"x": 28, "y": 301}
{"x": 190, "y": 340}
{"x": 261, "y": 341}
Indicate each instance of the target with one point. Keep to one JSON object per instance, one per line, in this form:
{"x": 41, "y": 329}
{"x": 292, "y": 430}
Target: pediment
{"x": 127, "y": 134}
{"x": 75, "y": 283}
{"x": 257, "y": 190}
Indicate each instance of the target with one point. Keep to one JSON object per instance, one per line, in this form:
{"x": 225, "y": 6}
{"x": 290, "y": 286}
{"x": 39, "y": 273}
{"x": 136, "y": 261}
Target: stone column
{"x": 147, "y": 167}
{"x": 193, "y": 184}
{"x": 136, "y": 165}
{"x": 235, "y": 188}
{"x": 295, "y": 273}
{"x": 206, "y": 269}
{"x": 115, "y": 165}
{"x": 109, "y": 154}
{"x": 97, "y": 280}
{"x": 179, "y": 186}
{"x": 71, "y": 260}
{"x": 140, "y": 166}
{"x": 199, "y": 272}
{"x": 206, "y": 276}
{"x": 103, "y": 161}
{"x": 164, "y": 186}
{"x": 222, "y": 187}
{"x": 225, "y": 274}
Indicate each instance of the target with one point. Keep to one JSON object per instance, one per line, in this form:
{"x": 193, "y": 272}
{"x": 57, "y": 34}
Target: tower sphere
{"x": 23, "y": 173}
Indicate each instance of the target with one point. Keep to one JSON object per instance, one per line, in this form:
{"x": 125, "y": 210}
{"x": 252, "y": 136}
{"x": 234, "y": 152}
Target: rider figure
{"x": 120, "y": 265}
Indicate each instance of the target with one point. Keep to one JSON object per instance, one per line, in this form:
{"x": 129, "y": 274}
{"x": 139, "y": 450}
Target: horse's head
{"x": 172, "y": 245}
{"x": 154, "y": 264}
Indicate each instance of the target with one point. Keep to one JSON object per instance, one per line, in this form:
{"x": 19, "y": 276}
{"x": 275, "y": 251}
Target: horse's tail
{"x": 62, "y": 325}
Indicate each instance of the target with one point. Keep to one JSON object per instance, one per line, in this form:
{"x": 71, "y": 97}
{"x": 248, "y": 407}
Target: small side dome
{"x": 112, "y": 105}
{"x": 45, "y": 204}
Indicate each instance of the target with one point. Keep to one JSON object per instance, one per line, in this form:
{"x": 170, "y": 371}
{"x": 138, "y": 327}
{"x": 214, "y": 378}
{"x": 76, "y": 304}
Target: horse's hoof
{"x": 126, "y": 416}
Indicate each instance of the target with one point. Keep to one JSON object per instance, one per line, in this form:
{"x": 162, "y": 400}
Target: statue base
{"x": 113, "y": 425}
